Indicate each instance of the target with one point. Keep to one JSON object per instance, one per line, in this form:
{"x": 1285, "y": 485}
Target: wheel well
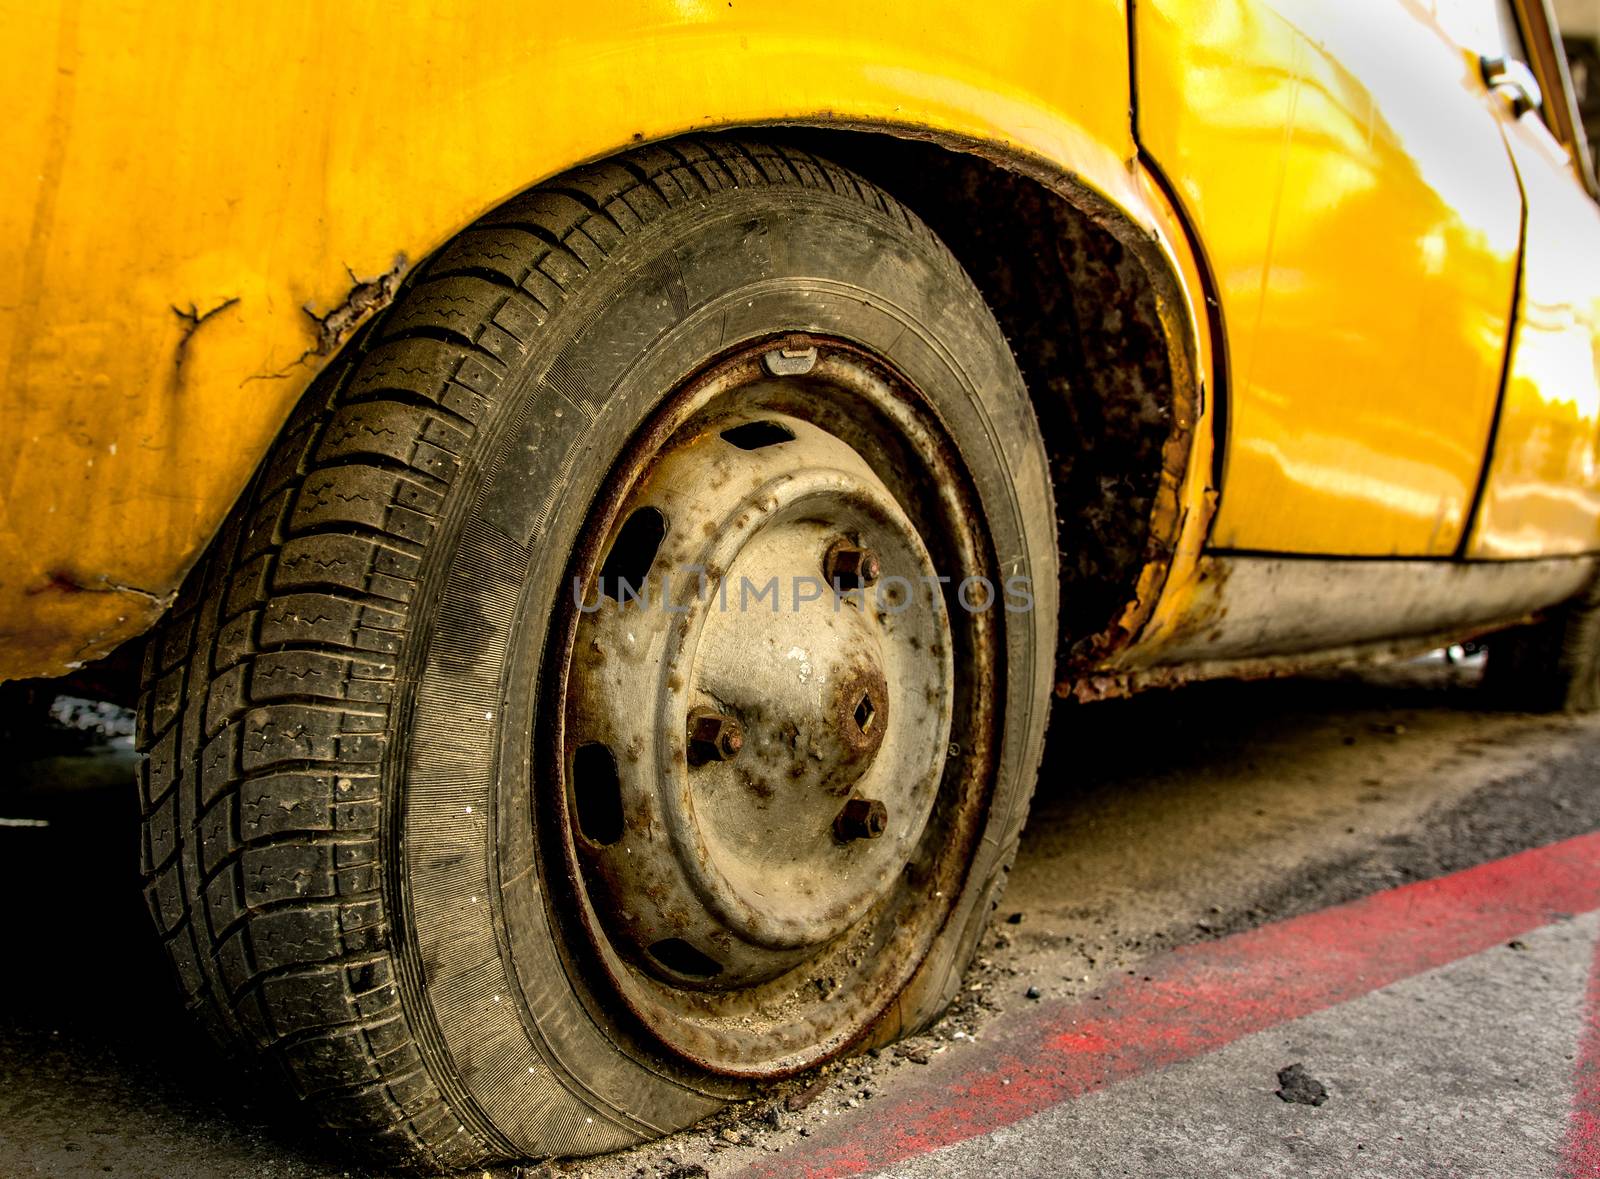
{"x": 1080, "y": 310}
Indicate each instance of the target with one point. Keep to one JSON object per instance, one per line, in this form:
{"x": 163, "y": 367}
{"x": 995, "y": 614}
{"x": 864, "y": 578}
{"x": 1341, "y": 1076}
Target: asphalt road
{"x": 1291, "y": 827}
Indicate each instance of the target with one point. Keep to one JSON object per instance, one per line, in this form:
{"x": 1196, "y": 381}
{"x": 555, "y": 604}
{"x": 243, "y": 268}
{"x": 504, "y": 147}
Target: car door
{"x": 1541, "y": 494}
{"x": 1351, "y": 192}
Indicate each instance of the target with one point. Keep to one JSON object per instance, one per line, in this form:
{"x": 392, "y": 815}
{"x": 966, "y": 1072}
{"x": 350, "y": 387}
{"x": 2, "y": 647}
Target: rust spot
{"x": 1086, "y": 689}
{"x": 860, "y": 715}
{"x": 758, "y": 785}
{"x": 333, "y": 327}
{"x": 64, "y": 583}
{"x": 366, "y": 296}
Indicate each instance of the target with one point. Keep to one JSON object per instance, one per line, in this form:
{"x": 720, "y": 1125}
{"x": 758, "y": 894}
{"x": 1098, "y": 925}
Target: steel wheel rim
{"x": 794, "y": 981}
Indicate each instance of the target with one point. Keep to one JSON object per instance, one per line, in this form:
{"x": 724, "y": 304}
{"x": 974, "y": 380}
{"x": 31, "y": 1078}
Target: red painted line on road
{"x": 1204, "y": 996}
{"x": 1581, "y": 1158}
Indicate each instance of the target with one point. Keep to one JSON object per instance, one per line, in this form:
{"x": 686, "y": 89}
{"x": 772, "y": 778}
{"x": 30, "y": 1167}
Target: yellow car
{"x": 612, "y": 490}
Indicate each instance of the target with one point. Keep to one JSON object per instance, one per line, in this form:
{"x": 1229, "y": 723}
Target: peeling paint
{"x": 366, "y": 296}
{"x": 334, "y": 327}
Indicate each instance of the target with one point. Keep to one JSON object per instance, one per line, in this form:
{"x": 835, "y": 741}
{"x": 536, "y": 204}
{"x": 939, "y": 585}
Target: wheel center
{"x": 806, "y": 679}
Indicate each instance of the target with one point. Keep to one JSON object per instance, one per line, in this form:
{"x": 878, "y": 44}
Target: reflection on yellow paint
{"x": 1543, "y": 495}
{"x": 1367, "y": 310}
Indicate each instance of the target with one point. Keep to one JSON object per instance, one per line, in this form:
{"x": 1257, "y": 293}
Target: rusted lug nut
{"x": 713, "y": 737}
{"x": 848, "y": 567}
{"x": 861, "y": 818}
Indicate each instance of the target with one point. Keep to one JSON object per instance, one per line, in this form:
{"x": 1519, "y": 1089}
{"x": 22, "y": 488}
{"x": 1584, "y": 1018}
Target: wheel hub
{"x": 759, "y": 705}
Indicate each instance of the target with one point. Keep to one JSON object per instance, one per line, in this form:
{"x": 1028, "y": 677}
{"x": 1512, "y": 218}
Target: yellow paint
{"x": 1543, "y": 493}
{"x": 183, "y": 182}
{"x": 164, "y": 156}
{"x": 1347, "y": 180}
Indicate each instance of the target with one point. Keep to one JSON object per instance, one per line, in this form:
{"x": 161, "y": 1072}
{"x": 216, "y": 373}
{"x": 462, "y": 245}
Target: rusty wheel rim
{"x": 765, "y": 814}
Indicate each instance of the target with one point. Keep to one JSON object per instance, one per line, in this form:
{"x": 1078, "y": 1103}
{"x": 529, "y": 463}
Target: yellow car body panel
{"x": 1542, "y": 494}
{"x": 1334, "y": 162}
{"x": 183, "y": 182}
{"x": 191, "y": 191}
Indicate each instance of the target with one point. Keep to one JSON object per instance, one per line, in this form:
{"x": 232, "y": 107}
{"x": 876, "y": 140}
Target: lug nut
{"x": 861, "y": 818}
{"x": 849, "y": 567}
{"x": 713, "y": 737}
